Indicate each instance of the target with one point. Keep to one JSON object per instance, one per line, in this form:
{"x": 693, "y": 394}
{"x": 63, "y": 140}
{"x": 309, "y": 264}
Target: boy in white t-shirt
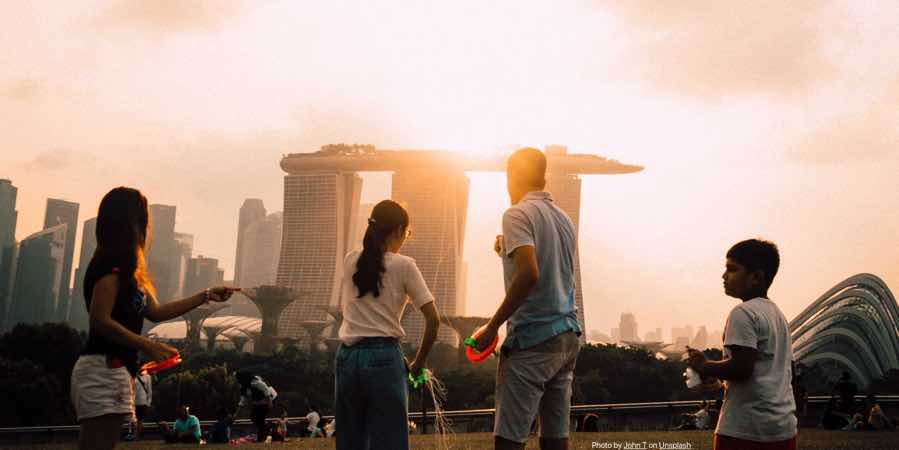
{"x": 758, "y": 410}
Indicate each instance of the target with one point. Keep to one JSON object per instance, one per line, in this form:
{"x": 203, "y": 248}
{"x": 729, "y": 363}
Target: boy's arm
{"x": 738, "y": 366}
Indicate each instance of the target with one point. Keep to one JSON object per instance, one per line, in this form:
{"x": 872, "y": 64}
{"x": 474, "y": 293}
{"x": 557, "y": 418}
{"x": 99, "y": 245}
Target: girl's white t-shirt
{"x": 368, "y": 316}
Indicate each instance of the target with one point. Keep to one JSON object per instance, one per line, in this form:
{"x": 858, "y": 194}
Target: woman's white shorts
{"x": 98, "y": 390}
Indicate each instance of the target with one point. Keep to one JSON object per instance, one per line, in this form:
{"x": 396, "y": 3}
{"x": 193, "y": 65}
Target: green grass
{"x": 698, "y": 440}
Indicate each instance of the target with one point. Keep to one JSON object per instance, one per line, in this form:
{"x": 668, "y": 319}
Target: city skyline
{"x": 740, "y": 136}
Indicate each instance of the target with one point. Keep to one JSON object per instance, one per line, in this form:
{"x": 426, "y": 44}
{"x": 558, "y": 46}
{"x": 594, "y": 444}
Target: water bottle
{"x": 692, "y": 378}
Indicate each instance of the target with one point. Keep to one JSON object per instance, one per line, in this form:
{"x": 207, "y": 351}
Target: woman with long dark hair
{"x": 370, "y": 388}
{"x": 119, "y": 296}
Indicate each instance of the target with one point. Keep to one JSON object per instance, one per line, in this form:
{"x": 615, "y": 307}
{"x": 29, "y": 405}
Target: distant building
{"x": 252, "y": 211}
{"x": 598, "y": 337}
{"x": 63, "y": 212}
{"x": 716, "y": 339}
{"x": 683, "y": 332}
{"x": 320, "y": 213}
{"x": 654, "y": 336}
{"x": 164, "y": 253}
{"x": 363, "y": 215}
{"x": 628, "y": 328}
{"x": 259, "y": 260}
{"x": 437, "y": 203}
{"x": 184, "y": 243}
{"x": 701, "y": 340}
{"x": 203, "y": 273}
{"x": 38, "y": 277}
{"x": 681, "y": 343}
{"x": 78, "y": 313}
{"x": 262, "y": 246}
{"x": 8, "y": 218}
{"x": 616, "y": 335}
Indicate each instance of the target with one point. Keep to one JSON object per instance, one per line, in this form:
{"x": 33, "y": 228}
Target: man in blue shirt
{"x": 187, "y": 428}
{"x": 539, "y": 353}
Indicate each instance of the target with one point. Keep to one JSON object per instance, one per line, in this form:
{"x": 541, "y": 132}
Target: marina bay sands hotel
{"x": 321, "y": 207}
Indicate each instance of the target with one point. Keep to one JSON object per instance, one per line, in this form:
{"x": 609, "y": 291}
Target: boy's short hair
{"x": 757, "y": 254}
{"x": 530, "y": 164}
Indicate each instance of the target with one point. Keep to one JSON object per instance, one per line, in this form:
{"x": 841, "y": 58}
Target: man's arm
{"x": 527, "y": 274}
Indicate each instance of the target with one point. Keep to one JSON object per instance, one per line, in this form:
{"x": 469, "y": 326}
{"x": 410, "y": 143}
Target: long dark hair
{"x": 123, "y": 227}
{"x": 386, "y": 218}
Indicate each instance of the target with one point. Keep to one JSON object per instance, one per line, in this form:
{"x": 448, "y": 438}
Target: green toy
{"x": 417, "y": 381}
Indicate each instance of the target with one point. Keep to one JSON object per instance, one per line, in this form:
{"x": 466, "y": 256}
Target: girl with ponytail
{"x": 371, "y": 395}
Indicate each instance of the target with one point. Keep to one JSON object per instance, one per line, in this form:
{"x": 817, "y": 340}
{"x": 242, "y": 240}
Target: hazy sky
{"x": 767, "y": 118}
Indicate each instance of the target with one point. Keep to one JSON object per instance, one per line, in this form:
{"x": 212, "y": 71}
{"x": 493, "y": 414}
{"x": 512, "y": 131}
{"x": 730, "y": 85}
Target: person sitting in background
{"x": 187, "y": 428}
{"x": 871, "y": 418}
{"x": 833, "y": 419}
{"x": 877, "y": 419}
{"x": 312, "y": 420}
{"x": 590, "y": 423}
{"x": 698, "y": 420}
{"x": 330, "y": 427}
{"x": 221, "y": 429}
{"x": 279, "y": 427}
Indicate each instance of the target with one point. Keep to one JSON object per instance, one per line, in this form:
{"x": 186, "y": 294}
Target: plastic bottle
{"x": 692, "y": 378}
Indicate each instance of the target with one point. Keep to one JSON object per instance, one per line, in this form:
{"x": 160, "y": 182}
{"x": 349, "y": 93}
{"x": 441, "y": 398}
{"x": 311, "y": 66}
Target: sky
{"x": 753, "y": 119}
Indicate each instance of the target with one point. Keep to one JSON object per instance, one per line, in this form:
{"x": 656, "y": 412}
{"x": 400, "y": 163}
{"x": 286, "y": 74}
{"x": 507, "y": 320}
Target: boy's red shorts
{"x": 732, "y": 443}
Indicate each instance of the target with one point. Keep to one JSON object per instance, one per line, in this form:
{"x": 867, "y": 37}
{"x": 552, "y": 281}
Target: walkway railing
{"x": 53, "y": 432}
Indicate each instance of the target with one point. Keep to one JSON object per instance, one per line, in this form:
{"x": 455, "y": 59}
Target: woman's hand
{"x": 157, "y": 351}
{"x": 220, "y": 293}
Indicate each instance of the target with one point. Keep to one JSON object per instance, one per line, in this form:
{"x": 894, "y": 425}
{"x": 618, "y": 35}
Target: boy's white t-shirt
{"x": 760, "y": 408}
{"x": 368, "y": 316}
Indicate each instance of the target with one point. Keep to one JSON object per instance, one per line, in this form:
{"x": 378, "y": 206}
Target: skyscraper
{"x": 184, "y": 251}
{"x": 78, "y": 314}
{"x": 63, "y": 212}
{"x": 38, "y": 276}
{"x": 8, "y": 218}
{"x": 628, "y": 327}
{"x": 319, "y": 217}
{"x": 362, "y": 215}
{"x": 318, "y": 200}
{"x": 437, "y": 201}
{"x": 262, "y": 246}
{"x": 566, "y": 192}
{"x": 701, "y": 340}
{"x": 203, "y": 273}
{"x": 252, "y": 211}
{"x": 164, "y": 253}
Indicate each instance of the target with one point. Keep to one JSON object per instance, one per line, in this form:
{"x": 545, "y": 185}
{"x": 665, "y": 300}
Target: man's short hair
{"x": 757, "y": 254}
{"x": 529, "y": 164}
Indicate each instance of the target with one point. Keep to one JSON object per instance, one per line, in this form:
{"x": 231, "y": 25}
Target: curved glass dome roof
{"x": 854, "y": 326}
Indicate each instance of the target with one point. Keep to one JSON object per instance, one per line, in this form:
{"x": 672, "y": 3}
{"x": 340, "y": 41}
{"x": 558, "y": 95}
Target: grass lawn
{"x": 697, "y": 440}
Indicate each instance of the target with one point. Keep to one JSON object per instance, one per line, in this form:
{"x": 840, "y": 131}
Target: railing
{"x": 618, "y": 409}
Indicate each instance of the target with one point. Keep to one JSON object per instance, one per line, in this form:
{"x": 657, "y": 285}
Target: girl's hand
{"x": 157, "y": 351}
{"x": 221, "y": 293}
{"x": 415, "y": 367}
